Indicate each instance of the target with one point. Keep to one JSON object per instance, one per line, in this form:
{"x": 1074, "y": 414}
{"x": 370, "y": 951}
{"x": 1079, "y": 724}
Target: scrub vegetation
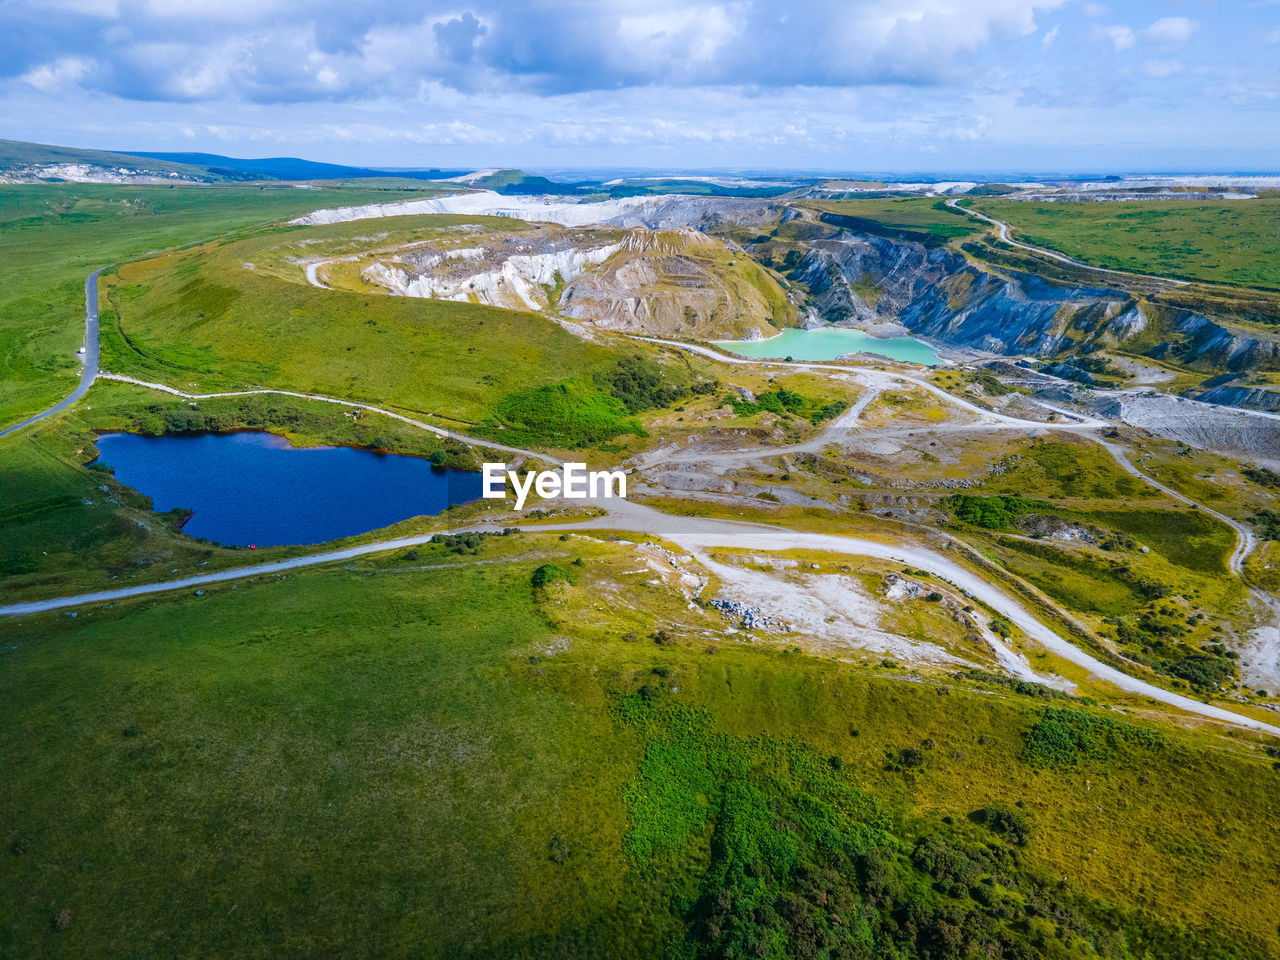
{"x": 539, "y": 782}
{"x": 575, "y": 414}
{"x": 1224, "y": 241}
{"x": 924, "y": 219}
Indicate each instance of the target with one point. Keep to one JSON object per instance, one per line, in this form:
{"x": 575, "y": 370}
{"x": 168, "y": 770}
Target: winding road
{"x": 1003, "y": 229}
{"x": 90, "y": 371}
{"x": 691, "y": 533}
{"x": 698, "y": 534}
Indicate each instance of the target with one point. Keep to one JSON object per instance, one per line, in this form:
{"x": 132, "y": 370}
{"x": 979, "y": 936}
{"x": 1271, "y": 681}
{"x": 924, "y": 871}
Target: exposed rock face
{"x": 678, "y": 282}
{"x": 657, "y": 282}
{"x": 937, "y": 293}
{"x": 1044, "y": 527}
{"x": 1209, "y": 344}
{"x": 1253, "y": 398}
{"x": 519, "y": 280}
{"x": 1230, "y": 430}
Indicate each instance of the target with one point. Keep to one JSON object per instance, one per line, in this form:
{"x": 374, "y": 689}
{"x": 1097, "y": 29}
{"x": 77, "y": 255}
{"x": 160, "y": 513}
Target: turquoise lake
{"x": 831, "y": 343}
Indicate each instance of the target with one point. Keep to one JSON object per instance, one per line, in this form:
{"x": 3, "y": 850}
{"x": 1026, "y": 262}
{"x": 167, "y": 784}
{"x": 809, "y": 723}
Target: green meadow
{"x": 1225, "y": 241}
{"x": 53, "y": 235}
{"x": 392, "y": 759}
{"x": 928, "y": 217}
{"x": 205, "y": 319}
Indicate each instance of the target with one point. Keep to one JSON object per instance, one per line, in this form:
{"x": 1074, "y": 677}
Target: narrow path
{"x": 1003, "y": 229}
{"x": 438, "y": 431}
{"x": 89, "y": 373}
{"x": 1246, "y": 540}
{"x": 990, "y": 416}
{"x": 692, "y": 533}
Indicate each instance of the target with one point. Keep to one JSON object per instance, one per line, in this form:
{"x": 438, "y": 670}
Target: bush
{"x": 548, "y": 574}
{"x": 908, "y": 758}
{"x": 640, "y": 384}
{"x": 1203, "y": 671}
{"x": 1066, "y": 737}
{"x": 1002, "y": 820}
{"x": 991, "y": 513}
{"x": 566, "y": 413}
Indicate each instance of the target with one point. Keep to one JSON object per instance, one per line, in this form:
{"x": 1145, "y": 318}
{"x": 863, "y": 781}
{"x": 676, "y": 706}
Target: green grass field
{"x": 1227, "y": 241}
{"x": 383, "y": 761}
{"x": 202, "y": 320}
{"x": 53, "y": 235}
{"x": 927, "y": 216}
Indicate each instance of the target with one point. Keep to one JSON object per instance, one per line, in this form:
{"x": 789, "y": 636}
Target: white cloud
{"x": 1095, "y": 10}
{"x": 59, "y": 75}
{"x": 1120, "y": 37}
{"x": 1171, "y": 31}
{"x": 1051, "y": 36}
{"x": 688, "y": 37}
{"x": 1161, "y": 68}
{"x": 106, "y": 9}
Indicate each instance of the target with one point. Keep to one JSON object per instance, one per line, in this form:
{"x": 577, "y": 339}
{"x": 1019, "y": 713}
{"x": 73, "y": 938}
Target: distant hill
{"x": 22, "y": 162}
{"x": 286, "y": 168}
{"x": 38, "y": 161}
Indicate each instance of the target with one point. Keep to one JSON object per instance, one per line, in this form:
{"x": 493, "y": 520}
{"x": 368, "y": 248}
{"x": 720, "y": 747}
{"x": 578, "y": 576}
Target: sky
{"x": 930, "y": 86}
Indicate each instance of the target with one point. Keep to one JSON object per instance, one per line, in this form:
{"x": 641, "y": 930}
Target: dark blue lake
{"x": 253, "y": 488}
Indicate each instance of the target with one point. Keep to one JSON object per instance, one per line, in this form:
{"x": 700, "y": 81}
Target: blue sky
{"x": 859, "y": 85}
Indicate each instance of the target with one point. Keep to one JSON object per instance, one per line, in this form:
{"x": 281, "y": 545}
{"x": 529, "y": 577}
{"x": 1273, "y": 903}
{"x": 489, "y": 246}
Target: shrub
{"x": 1064, "y": 737}
{"x": 1002, "y": 820}
{"x": 567, "y": 413}
{"x": 991, "y": 513}
{"x": 548, "y": 574}
{"x": 639, "y": 384}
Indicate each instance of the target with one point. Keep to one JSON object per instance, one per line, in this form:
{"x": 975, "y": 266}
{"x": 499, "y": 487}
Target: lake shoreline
{"x": 825, "y": 344}
{"x": 254, "y": 487}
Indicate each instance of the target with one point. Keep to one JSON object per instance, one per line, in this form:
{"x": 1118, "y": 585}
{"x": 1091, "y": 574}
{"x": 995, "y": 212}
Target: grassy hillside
{"x": 203, "y": 317}
{"x": 923, "y": 218}
{"x": 352, "y": 762}
{"x": 52, "y": 236}
{"x": 1226, "y": 241}
{"x": 19, "y": 153}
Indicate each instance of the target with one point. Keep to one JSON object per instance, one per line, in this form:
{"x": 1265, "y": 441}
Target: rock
{"x": 750, "y": 618}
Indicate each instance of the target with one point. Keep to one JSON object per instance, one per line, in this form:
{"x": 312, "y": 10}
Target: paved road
{"x": 90, "y": 371}
{"x": 693, "y": 533}
{"x": 1003, "y": 229}
{"x": 702, "y": 533}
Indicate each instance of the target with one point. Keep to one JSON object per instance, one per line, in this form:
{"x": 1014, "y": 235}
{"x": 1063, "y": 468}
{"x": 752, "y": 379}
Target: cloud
{"x": 1161, "y": 68}
{"x": 57, "y": 76}
{"x": 1120, "y": 37}
{"x": 1171, "y": 31}
{"x": 292, "y": 50}
{"x": 1050, "y": 36}
{"x": 457, "y": 38}
{"x": 1095, "y": 10}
